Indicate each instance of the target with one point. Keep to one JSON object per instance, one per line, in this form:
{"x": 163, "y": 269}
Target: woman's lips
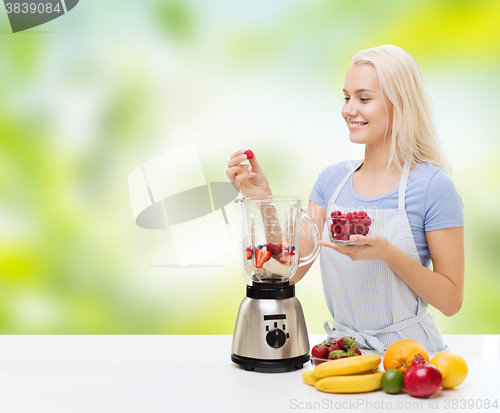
{"x": 356, "y": 125}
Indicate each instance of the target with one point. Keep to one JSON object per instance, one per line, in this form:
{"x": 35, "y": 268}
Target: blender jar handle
{"x": 312, "y": 256}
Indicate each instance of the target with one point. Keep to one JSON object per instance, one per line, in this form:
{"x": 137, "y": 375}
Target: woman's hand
{"x": 252, "y": 182}
{"x": 375, "y": 247}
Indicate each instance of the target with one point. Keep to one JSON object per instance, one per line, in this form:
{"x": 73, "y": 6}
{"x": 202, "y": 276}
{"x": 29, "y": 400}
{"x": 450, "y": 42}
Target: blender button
{"x": 267, "y": 328}
{"x": 275, "y": 325}
{"x": 284, "y": 327}
{"x": 287, "y": 335}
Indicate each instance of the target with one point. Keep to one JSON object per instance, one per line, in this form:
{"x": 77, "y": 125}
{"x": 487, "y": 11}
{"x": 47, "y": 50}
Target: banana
{"x": 311, "y": 380}
{"x": 346, "y": 366}
{"x": 375, "y": 370}
{"x": 307, "y": 377}
{"x": 350, "y": 384}
{"x": 275, "y": 267}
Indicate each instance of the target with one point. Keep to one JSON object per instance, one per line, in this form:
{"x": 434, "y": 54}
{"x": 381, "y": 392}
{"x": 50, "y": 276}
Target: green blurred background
{"x": 87, "y": 98}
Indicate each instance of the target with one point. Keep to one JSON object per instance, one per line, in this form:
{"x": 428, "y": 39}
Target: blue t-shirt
{"x": 432, "y": 200}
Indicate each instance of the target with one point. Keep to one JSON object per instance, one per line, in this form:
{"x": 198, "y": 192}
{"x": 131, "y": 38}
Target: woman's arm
{"x": 306, "y": 243}
{"x": 442, "y": 287}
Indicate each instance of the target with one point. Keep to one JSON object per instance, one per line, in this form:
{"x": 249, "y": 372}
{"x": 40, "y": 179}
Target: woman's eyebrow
{"x": 360, "y": 90}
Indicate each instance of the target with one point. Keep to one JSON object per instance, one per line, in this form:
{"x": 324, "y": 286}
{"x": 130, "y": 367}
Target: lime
{"x": 392, "y": 381}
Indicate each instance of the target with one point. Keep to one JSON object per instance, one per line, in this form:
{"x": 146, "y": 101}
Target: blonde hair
{"x": 413, "y": 135}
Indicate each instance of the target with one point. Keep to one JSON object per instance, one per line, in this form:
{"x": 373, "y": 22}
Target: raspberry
{"x": 337, "y": 229}
{"x": 360, "y": 229}
{"x": 348, "y": 228}
{"x": 366, "y": 221}
{"x": 274, "y": 248}
{"x": 348, "y": 215}
{"x": 249, "y": 154}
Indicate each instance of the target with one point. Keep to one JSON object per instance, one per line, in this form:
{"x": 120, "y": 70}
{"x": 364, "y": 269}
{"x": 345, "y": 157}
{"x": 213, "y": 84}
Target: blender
{"x": 270, "y": 333}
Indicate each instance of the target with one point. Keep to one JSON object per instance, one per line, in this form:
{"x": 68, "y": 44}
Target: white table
{"x": 194, "y": 373}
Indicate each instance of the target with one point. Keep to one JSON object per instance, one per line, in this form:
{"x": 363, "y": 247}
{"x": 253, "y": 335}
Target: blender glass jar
{"x": 271, "y": 229}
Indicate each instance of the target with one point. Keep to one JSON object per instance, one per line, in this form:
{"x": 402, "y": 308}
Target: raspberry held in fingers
{"x": 249, "y": 154}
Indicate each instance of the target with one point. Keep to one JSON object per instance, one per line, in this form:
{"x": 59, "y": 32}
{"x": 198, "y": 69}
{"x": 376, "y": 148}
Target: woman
{"x": 378, "y": 291}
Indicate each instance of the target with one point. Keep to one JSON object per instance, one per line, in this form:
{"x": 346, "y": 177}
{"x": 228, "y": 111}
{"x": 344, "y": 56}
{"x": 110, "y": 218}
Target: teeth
{"x": 356, "y": 125}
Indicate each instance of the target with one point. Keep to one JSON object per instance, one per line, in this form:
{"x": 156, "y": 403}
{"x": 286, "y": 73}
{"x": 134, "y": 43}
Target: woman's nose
{"x": 348, "y": 109}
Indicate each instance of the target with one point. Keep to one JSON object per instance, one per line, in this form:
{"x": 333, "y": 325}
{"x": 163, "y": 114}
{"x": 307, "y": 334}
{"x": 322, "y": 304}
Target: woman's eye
{"x": 364, "y": 100}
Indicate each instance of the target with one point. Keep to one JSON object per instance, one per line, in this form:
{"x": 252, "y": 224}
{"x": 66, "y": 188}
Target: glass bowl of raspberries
{"x": 342, "y": 225}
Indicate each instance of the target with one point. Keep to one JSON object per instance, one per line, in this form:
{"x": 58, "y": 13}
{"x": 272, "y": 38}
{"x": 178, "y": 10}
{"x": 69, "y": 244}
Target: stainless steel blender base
{"x": 270, "y": 333}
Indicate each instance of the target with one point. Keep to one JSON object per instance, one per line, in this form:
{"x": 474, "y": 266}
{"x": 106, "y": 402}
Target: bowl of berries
{"x": 335, "y": 350}
{"x": 342, "y": 225}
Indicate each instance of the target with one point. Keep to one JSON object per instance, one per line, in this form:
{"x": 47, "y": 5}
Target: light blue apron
{"x": 367, "y": 299}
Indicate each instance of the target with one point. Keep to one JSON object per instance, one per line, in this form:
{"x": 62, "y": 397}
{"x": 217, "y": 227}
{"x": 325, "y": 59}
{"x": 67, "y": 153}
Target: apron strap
{"x": 367, "y": 337}
{"x": 402, "y": 184}
{"x": 342, "y": 183}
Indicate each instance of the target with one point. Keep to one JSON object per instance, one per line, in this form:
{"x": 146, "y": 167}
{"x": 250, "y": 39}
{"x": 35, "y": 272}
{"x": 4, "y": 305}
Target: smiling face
{"x": 367, "y": 110}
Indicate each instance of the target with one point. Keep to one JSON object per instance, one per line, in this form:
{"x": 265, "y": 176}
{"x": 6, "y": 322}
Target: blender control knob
{"x": 276, "y": 338}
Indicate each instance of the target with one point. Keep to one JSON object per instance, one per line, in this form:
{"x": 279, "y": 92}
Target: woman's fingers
{"x": 237, "y": 158}
{"x": 328, "y": 244}
{"x": 240, "y": 152}
{"x": 255, "y": 165}
{"x": 236, "y": 170}
{"x": 238, "y": 180}
{"x": 234, "y": 165}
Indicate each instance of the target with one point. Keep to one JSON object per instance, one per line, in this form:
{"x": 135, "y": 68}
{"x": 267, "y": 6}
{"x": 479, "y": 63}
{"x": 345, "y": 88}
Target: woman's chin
{"x": 357, "y": 140}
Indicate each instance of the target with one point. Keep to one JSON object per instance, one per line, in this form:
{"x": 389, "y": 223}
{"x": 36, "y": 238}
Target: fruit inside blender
{"x": 273, "y": 259}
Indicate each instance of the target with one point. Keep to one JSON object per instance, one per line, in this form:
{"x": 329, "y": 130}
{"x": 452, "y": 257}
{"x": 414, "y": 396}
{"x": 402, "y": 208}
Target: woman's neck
{"x": 376, "y": 160}
{"x": 373, "y": 178}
